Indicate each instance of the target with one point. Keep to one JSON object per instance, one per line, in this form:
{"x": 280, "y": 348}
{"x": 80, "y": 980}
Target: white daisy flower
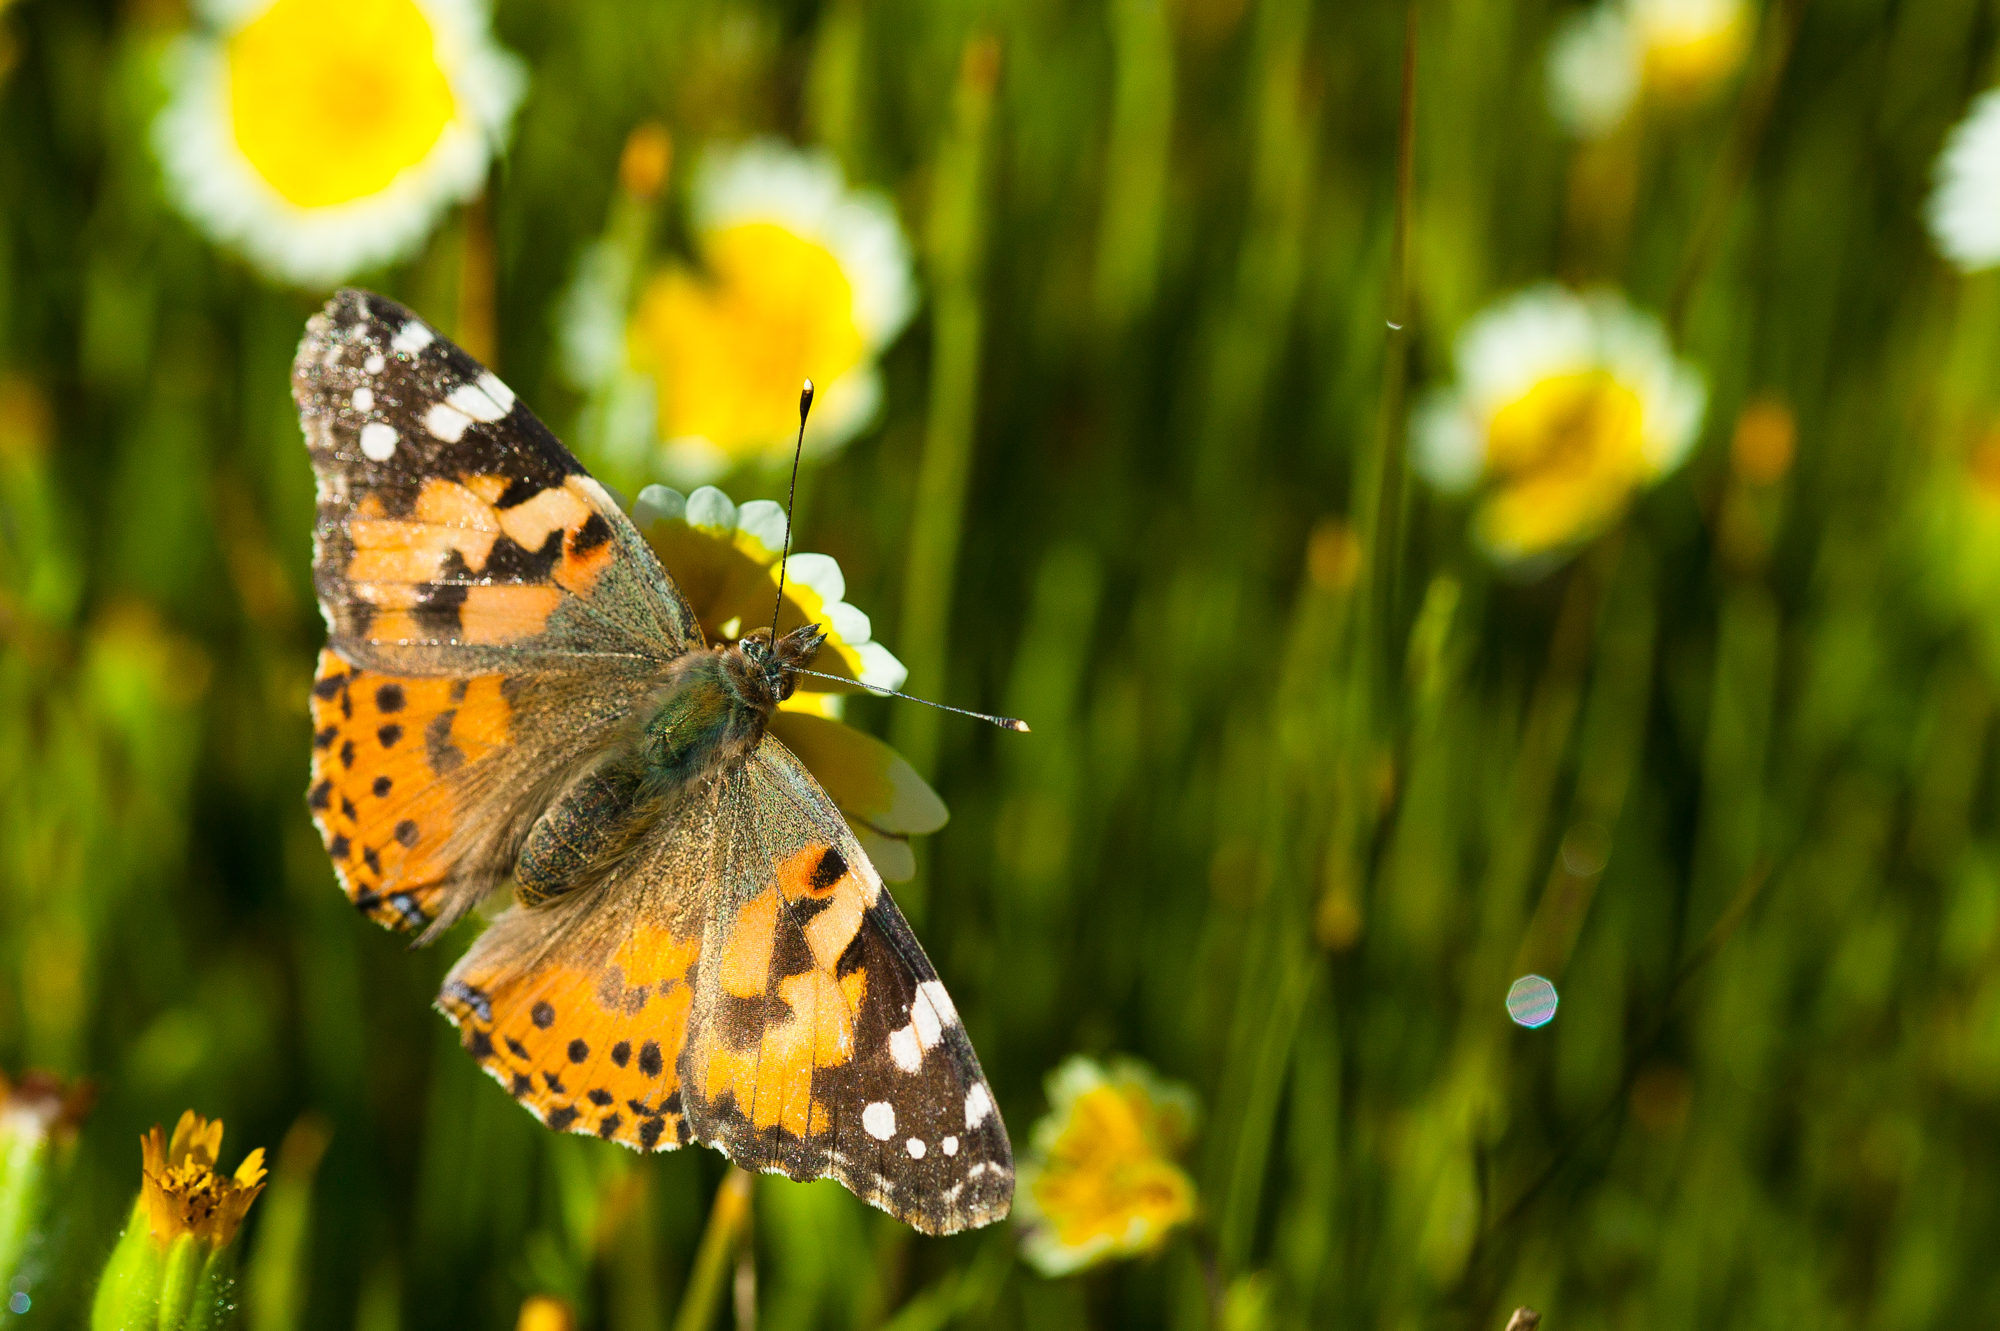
{"x": 321, "y": 137}
{"x": 1965, "y": 206}
{"x": 1605, "y": 58}
{"x": 803, "y": 278}
{"x": 1565, "y": 405}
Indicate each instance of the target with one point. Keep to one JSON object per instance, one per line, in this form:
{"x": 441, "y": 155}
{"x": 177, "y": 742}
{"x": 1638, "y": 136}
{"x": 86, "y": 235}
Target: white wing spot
{"x": 879, "y": 1120}
{"x": 915, "y": 1146}
{"x": 950, "y": 1145}
{"x": 374, "y": 363}
{"x": 364, "y": 399}
{"x": 978, "y": 1104}
{"x": 503, "y": 396}
{"x": 904, "y": 1050}
{"x": 378, "y": 441}
{"x": 413, "y": 337}
{"x": 446, "y": 422}
{"x": 932, "y": 991}
{"x": 478, "y": 400}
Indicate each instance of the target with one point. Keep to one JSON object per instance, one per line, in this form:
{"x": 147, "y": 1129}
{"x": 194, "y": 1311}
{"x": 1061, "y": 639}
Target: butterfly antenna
{"x": 1004, "y": 722}
{"x": 791, "y": 496}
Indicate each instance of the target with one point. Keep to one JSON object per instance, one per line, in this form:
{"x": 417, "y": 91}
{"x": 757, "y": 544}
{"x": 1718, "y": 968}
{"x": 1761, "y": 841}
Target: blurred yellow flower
{"x": 1101, "y": 1181}
{"x": 545, "y": 1312}
{"x": 1565, "y": 405}
{"x": 1605, "y": 59}
{"x": 724, "y": 558}
{"x": 801, "y": 278}
{"x": 321, "y": 137}
{"x": 182, "y": 1193}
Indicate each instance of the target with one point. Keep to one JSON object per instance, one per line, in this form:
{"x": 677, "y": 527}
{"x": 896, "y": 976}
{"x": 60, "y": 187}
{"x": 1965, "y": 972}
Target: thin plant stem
{"x": 714, "y": 1262}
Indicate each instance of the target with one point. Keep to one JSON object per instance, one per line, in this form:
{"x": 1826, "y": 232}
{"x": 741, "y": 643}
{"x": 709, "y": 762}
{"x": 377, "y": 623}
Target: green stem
{"x": 728, "y": 1227}
{"x": 957, "y": 246}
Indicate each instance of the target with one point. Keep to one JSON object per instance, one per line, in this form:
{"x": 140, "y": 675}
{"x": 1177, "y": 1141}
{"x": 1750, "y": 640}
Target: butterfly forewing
{"x": 455, "y": 534}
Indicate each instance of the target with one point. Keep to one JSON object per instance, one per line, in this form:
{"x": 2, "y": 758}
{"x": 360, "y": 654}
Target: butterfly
{"x": 515, "y": 691}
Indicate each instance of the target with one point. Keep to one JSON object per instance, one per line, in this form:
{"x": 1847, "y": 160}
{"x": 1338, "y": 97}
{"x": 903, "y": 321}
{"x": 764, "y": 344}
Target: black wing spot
{"x": 649, "y": 1132}
{"x": 683, "y": 1133}
{"x": 594, "y": 532}
{"x": 373, "y": 860}
{"x": 445, "y": 757}
{"x": 510, "y": 562}
{"x": 555, "y": 1083}
{"x": 578, "y": 1051}
{"x": 832, "y": 867}
{"x": 560, "y": 1119}
{"x": 389, "y": 734}
{"x": 515, "y": 1047}
{"x": 519, "y": 491}
{"x": 323, "y": 739}
{"x": 389, "y": 698}
{"x": 406, "y": 832}
{"x": 608, "y": 1126}
{"x": 672, "y": 1104}
{"x": 347, "y": 754}
{"x": 327, "y": 685}
{"x": 621, "y": 1053}
{"x": 321, "y": 796}
{"x": 599, "y": 1096}
{"x": 459, "y": 688}
{"x": 480, "y": 1045}
{"x": 521, "y": 1085}
{"x": 650, "y": 1062}
{"x": 347, "y": 808}
{"x": 382, "y": 784}
{"x": 438, "y": 605}
{"x": 338, "y": 847}
{"x": 542, "y": 1015}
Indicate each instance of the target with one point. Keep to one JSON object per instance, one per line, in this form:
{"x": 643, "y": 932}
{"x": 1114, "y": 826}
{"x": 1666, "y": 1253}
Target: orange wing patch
{"x": 381, "y": 747}
{"x": 786, "y": 1002}
{"x": 461, "y": 567}
{"x": 587, "y": 1049}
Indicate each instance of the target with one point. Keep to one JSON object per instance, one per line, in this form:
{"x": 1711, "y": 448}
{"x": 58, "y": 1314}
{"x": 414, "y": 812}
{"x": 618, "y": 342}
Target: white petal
{"x": 709, "y": 507}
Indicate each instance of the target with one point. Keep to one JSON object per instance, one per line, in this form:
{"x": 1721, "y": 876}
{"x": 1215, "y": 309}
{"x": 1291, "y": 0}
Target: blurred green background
{"x": 1309, "y": 782}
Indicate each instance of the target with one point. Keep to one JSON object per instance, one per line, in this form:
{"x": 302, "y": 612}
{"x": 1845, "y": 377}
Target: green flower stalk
{"x": 173, "y": 1269}
{"x": 38, "y": 1121}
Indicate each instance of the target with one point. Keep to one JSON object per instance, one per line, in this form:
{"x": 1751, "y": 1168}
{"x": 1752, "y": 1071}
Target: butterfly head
{"x": 771, "y": 666}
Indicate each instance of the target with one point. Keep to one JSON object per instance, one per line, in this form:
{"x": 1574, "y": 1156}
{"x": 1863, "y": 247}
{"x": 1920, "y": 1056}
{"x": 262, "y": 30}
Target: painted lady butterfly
{"x": 514, "y": 689}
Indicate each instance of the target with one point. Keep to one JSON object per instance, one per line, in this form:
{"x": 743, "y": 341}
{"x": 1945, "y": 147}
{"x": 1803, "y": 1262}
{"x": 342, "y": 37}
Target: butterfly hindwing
{"x": 795, "y": 1024}
{"x": 455, "y": 534}
{"x": 822, "y": 1043}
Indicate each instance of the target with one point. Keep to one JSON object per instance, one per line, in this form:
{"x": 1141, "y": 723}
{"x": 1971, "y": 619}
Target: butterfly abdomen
{"x": 697, "y": 726}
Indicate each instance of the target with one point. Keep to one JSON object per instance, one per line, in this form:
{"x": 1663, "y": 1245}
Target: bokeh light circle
{"x": 1531, "y": 1001}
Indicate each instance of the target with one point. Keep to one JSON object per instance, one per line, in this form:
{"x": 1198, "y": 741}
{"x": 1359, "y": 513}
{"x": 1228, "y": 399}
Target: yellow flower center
{"x": 1108, "y": 1178}
{"x": 1562, "y": 460}
{"x": 730, "y": 351}
{"x": 330, "y": 100}
{"x": 1692, "y": 46}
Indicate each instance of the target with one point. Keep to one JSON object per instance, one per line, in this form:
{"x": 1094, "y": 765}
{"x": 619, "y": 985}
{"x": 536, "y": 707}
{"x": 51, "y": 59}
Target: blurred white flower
{"x": 1564, "y": 406}
{"x": 321, "y": 137}
{"x": 1965, "y": 206}
{"x": 1605, "y": 58}
{"x": 802, "y": 278}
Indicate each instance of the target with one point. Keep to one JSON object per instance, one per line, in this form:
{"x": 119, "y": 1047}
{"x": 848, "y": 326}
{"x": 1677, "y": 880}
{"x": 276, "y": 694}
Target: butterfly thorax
{"x": 706, "y": 718}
